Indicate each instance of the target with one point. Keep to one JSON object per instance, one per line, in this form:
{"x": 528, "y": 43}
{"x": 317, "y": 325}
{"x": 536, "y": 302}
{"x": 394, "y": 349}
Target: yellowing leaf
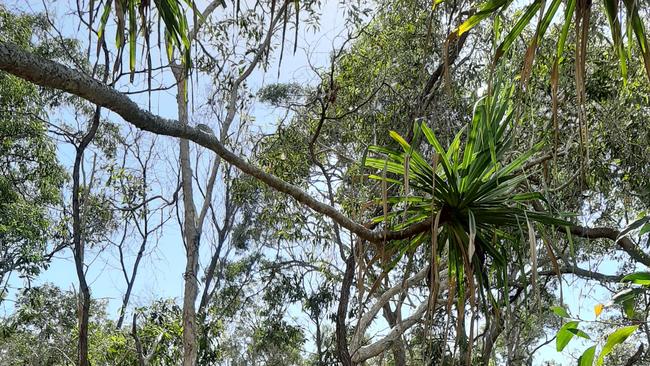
{"x": 598, "y": 309}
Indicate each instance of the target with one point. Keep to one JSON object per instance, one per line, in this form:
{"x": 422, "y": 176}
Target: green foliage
{"x": 135, "y": 13}
{"x": 281, "y": 94}
{"x": 566, "y": 333}
{"x": 278, "y": 342}
{"x": 618, "y": 167}
{"x": 284, "y": 154}
{"x": 639, "y": 278}
{"x": 160, "y": 331}
{"x": 476, "y": 185}
{"x": 560, "y": 311}
{"x": 30, "y": 175}
{"x": 570, "y": 328}
{"x": 615, "y": 338}
{"x": 42, "y": 331}
{"x": 471, "y": 191}
{"x": 614, "y": 12}
{"x": 587, "y": 357}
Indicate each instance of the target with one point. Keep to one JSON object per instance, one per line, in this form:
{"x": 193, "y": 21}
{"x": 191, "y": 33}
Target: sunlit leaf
{"x": 565, "y": 334}
{"x": 486, "y": 9}
{"x": 611, "y": 10}
{"x": 617, "y": 337}
{"x": 560, "y": 311}
{"x": 639, "y": 278}
{"x": 639, "y": 31}
{"x": 569, "y": 8}
{"x": 523, "y": 21}
{"x": 587, "y": 357}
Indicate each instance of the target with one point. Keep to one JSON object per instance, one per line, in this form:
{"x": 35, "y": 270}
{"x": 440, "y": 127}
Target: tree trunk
{"x": 319, "y": 342}
{"x": 84, "y": 316}
{"x": 78, "y": 244}
{"x": 191, "y": 232}
{"x": 131, "y": 281}
{"x": 341, "y": 314}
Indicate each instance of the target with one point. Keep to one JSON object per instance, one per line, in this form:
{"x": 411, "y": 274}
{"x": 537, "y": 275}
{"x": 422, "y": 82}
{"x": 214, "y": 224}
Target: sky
{"x": 160, "y": 274}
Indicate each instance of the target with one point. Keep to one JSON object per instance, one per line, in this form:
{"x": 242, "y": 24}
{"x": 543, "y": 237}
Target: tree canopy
{"x": 438, "y": 183}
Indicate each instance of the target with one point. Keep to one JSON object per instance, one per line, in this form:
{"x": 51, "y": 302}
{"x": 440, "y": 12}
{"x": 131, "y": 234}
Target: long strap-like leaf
{"x": 639, "y": 31}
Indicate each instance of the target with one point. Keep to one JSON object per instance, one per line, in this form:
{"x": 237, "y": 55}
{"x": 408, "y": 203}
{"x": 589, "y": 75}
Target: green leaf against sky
{"x": 566, "y": 333}
{"x": 587, "y": 357}
{"x": 615, "y": 338}
{"x": 560, "y": 311}
{"x": 645, "y": 229}
{"x": 639, "y": 278}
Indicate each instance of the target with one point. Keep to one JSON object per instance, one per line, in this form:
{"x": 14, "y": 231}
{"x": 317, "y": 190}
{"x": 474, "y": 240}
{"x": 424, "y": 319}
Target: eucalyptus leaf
{"x": 617, "y": 337}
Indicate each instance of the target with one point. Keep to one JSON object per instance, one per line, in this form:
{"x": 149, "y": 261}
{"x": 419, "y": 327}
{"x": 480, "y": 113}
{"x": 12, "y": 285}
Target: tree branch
{"x": 381, "y": 345}
{"x": 583, "y": 273}
{"x": 52, "y": 74}
{"x": 58, "y": 76}
{"x": 624, "y": 242}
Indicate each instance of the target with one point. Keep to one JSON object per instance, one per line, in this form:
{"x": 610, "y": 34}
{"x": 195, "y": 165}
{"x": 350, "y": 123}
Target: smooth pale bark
{"x": 360, "y": 353}
{"x": 380, "y": 346}
{"x": 192, "y": 225}
{"x": 398, "y": 347}
{"x": 191, "y": 231}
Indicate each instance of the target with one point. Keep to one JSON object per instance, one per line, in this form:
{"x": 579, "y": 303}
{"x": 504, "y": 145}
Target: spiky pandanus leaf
{"x": 131, "y": 20}
{"x": 475, "y": 188}
{"x": 613, "y": 9}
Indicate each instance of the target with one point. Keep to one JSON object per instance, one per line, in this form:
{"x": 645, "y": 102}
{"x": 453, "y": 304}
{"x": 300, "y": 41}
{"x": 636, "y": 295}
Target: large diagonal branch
{"x": 52, "y": 74}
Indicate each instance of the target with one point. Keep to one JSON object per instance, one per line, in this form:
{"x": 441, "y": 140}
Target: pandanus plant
{"x": 474, "y": 194}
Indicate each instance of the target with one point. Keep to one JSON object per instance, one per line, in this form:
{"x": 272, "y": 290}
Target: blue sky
{"x": 160, "y": 274}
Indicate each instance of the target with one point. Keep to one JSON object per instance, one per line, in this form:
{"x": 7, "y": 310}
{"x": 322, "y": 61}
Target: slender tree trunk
{"x": 319, "y": 341}
{"x": 342, "y": 311}
{"x": 131, "y": 281}
{"x": 84, "y": 317}
{"x": 190, "y": 349}
{"x": 138, "y": 344}
{"x": 210, "y": 272}
{"x": 190, "y": 230}
{"x": 496, "y": 327}
{"x": 78, "y": 244}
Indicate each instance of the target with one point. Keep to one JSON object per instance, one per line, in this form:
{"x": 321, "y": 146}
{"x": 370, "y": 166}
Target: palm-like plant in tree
{"x": 625, "y": 18}
{"x": 473, "y": 190}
